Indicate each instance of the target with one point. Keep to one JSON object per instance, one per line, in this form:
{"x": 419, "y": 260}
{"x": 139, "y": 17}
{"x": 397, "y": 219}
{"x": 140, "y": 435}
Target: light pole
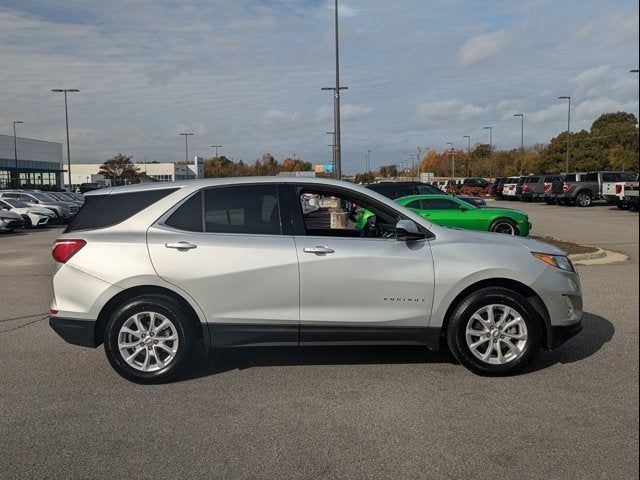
{"x": 15, "y": 152}
{"x": 336, "y": 100}
{"x": 66, "y": 117}
{"x": 468, "y": 137}
{"x": 426, "y": 151}
{"x": 186, "y": 152}
{"x": 412, "y": 157}
{"x": 490, "y": 151}
{"x": 453, "y": 165}
{"x": 216, "y": 147}
{"x": 368, "y": 164}
{"x": 337, "y": 157}
{"x": 568, "y": 130}
{"x": 521, "y": 115}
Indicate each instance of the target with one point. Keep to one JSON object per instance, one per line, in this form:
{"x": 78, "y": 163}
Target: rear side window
{"x": 251, "y": 209}
{"x": 627, "y": 177}
{"x": 188, "y": 216}
{"x": 610, "y": 177}
{"x": 100, "y": 211}
{"x": 591, "y": 177}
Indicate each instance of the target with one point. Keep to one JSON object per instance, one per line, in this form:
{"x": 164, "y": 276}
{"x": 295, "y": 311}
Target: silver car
{"x": 154, "y": 270}
{"x": 63, "y": 210}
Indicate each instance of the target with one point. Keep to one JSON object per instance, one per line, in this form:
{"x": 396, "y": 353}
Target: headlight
{"x": 559, "y": 261}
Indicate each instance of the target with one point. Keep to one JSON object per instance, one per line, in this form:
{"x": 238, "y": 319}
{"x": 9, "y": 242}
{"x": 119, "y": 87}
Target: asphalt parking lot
{"x": 352, "y": 412}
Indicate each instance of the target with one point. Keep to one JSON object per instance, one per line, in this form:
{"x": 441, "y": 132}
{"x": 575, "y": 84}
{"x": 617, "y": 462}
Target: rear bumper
{"x": 76, "y": 332}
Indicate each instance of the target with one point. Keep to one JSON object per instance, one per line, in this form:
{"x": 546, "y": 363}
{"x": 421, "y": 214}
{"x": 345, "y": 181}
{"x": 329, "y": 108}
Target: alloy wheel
{"x": 504, "y": 227}
{"x": 148, "y": 341}
{"x": 496, "y": 334}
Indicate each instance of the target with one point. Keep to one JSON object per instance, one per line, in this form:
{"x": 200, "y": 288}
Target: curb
{"x": 601, "y": 257}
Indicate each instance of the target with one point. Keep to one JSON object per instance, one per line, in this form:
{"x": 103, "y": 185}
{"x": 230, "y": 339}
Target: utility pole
{"x": 453, "y": 162}
{"x": 521, "y": 115}
{"x": 336, "y": 100}
{"x": 15, "y": 152}
{"x": 568, "y": 130}
{"x": 468, "y": 137}
{"x": 186, "y": 153}
{"x": 490, "y": 151}
{"x": 216, "y": 147}
{"x": 66, "y": 118}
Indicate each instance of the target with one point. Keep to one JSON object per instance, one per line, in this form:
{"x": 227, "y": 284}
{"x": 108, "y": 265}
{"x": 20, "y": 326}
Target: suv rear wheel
{"x": 494, "y": 331}
{"x": 150, "y": 339}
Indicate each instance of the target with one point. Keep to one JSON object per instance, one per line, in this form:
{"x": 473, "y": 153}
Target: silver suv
{"x": 154, "y": 270}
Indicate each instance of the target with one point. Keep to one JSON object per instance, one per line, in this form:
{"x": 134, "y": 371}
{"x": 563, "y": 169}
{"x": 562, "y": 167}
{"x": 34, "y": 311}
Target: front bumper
{"x": 11, "y": 224}
{"x": 76, "y": 332}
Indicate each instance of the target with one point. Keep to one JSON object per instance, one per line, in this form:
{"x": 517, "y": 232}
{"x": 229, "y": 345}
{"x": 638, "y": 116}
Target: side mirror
{"x": 407, "y": 230}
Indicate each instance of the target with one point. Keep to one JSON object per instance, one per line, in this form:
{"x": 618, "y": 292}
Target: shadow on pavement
{"x": 596, "y": 332}
{"x": 224, "y": 360}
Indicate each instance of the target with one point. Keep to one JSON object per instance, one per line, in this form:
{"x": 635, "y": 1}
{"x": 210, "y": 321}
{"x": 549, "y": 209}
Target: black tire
{"x": 550, "y": 201}
{"x": 505, "y": 226}
{"x": 584, "y": 199}
{"x": 27, "y": 221}
{"x": 456, "y": 330}
{"x": 623, "y": 205}
{"x": 185, "y": 327}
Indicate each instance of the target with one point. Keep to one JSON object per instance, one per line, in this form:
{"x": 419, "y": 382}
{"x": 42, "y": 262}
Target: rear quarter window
{"x": 101, "y": 211}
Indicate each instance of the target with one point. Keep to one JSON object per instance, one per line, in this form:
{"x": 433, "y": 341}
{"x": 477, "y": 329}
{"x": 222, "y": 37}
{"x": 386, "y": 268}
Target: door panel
{"x": 249, "y": 279}
{"x": 366, "y": 283}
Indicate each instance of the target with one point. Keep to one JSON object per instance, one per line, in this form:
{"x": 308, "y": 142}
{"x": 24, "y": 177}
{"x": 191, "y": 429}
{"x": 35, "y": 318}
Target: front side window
{"x": 438, "y": 204}
{"x": 335, "y": 214}
{"x": 591, "y": 177}
{"x": 627, "y": 177}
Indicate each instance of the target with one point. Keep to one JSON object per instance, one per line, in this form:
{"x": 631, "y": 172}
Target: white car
{"x": 32, "y": 216}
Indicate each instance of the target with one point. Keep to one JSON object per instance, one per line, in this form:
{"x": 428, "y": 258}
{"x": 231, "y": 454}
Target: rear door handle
{"x": 181, "y": 245}
{"x": 319, "y": 250}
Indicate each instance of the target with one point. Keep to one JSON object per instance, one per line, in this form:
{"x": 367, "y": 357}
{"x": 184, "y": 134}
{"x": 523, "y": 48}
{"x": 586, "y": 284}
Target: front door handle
{"x": 318, "y": 250}
{"x": 181, "y": 245}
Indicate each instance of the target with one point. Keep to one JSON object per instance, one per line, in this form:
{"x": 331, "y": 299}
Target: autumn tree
{"x": 120, "y": 169}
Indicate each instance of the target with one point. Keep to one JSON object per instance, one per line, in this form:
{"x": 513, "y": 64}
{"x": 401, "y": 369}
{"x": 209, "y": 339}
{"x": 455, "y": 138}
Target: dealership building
{"x": 158, "y": 172}
{"x": 39, "y": 163}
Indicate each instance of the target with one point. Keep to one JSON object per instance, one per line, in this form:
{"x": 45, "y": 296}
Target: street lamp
{"x": 490, "y": 149}
{"x": 521, "y": 115}
{"x": 468, "y": 137}
{"x": 568, "y": 130}
{"x": 186, "y": 152}
{"x": 453, "y": 166}
{"x": 15, "y": 152}
{"x": 66, "y": 117}
{"x": 413, "y": 165}
{"x": 216, "y": 147}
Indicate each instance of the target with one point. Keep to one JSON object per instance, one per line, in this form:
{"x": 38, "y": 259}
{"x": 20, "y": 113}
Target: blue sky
{"x": 247, "y": 74}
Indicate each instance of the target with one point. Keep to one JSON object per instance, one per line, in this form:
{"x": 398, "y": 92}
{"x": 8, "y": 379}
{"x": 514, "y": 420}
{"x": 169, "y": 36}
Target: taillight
{"x": 567, "y": 187}
{"x": 63, "y": 250}
{"x": 525, "y": 188}
{"x": 547, "y": 187}
{"x": 618, "y": 189}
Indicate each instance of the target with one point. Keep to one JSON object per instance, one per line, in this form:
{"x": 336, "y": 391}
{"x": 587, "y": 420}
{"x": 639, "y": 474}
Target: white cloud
{"x": 443, "y": 112}
{"x": 592, "y": 82}
{"x": 483, "y": 47}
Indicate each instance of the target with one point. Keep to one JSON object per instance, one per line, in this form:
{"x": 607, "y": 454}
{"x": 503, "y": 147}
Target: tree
{"x": 120, "y": 169}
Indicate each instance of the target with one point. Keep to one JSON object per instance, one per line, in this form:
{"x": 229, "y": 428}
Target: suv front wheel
{"x": 150, "y": 339}
{"x": 494, "y": 331}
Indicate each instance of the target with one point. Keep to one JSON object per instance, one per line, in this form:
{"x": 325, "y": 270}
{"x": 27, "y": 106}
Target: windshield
{"x": 43, "y": 198}
{"x": 15, "y": 203}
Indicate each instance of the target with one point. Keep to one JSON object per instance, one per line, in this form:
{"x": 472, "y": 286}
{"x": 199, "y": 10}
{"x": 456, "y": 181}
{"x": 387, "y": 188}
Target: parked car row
{"x": 34, "y": 208}
{"x": 578, "y": 188}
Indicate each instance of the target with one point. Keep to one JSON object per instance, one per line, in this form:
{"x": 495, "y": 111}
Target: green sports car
{"x": 450, "y": 212}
